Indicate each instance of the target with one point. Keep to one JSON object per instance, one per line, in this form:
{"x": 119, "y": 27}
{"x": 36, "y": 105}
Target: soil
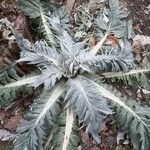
{"x": 140, "y": 14}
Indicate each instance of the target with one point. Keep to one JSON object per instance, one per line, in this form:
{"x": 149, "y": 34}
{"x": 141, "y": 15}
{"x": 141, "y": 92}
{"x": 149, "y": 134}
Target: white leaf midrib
{"x": 47, "y": 29}
{"x": 115, "y": 99}
{"x": 132, "y": 72}
{"x": 68, "y": 128}
{"x": 21, "y": 82}
{"x": 104, "y": 92}
{"x": 58, "y": 90}
{"x": 83, "y": 92}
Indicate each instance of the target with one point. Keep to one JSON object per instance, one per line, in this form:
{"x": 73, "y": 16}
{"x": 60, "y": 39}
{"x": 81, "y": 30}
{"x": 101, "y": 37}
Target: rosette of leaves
{"x": 72, "y": 78}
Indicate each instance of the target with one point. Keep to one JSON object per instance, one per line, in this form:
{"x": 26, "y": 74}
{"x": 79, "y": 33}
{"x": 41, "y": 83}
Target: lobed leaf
{"x": 10, "y": 93}
{"x": 133, "y": 119}
{"x": 38, "y": 9}
{"x": 108, "y": 61}
{"x": 39, "y": 120}
{"x": 87, "y": 103}
{"x": 113, "y": 20}
{"x": 39, "y": 53}
{"x": 64, "y": 136}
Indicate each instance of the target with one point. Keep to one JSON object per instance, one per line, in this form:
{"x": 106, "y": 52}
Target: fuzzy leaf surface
{"x": 51, "y": 20}
{"x": 40, "y": 118}
{"x": 64, "y": 136}
{"x": 133, "y": 119}
{"x": 87, "y": 103}
{"x": 110, "y": 60}
{"x": 9, "y": 91}
{"x": 113, "y": 20}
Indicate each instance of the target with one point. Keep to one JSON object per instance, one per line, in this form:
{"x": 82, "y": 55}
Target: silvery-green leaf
{"x": 64, "y": 136}
{"x": 39, "y": 120}
{"x": 87, "y": 103}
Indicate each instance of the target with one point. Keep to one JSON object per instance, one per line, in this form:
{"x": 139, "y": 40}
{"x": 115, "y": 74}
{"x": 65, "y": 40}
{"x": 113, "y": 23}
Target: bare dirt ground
{"x": 140, "y": 14}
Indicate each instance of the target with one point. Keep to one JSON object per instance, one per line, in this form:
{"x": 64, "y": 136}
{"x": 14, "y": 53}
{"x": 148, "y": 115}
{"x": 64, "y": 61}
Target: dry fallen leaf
{"x": 114, "y": 41}
{"x": 139, "y": 41}
{"x": 70, "y": 5}
{"x": 12, "y": 123}
{"x": 6, "y": 136}
{"x": 120, "y": 136}
{"x": 92, "y": 41}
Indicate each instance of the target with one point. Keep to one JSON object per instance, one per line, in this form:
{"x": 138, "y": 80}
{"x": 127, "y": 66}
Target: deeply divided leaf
{"x": 88, "y": 104}
{"x": 133, "y": 119}
{"x": 64, "y": 135}
{"x": 39, "y": 120}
